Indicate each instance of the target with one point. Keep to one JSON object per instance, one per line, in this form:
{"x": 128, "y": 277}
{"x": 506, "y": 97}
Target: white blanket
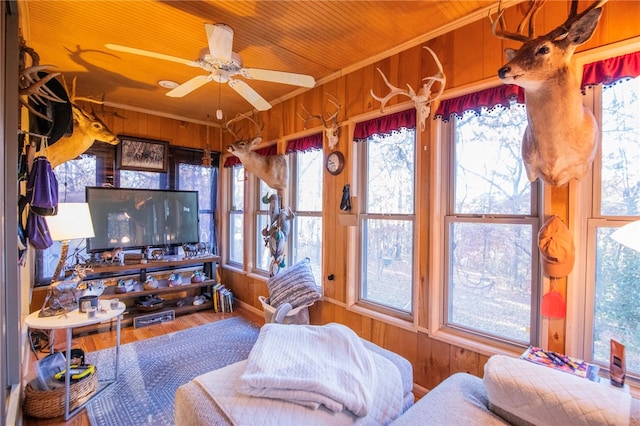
{"x": 247, "y": 410}
{"x": 312, "y": 366}
{"x": 542, "y": 396}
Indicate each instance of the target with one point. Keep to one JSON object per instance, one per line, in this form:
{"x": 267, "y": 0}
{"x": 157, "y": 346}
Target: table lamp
{"x": 73, "y": 221}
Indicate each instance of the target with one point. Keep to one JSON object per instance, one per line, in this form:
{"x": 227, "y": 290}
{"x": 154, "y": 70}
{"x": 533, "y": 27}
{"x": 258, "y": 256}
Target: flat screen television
{"x": 140, "y": 218}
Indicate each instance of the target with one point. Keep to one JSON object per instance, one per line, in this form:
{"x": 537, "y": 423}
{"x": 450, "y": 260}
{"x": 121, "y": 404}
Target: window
{"x": 73, "y": 176}
{"x": 138, "y": 179}
{"x": 612, "y": 281}
{"x": 387, "y": 222}
{"x": 491, "y": 282}
{"x": 306, "y": 234}
{"x": 263, "y": 221}
{"x": 95, "y": 168}
{"x": 196, "y": 177}
{"x": 236, "y": 214}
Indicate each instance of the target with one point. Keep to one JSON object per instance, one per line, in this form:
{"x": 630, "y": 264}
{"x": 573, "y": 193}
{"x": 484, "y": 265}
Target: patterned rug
{"x": 151, "y": 370}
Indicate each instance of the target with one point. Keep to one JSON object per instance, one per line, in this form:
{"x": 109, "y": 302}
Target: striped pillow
{"x": 295, "y": 285}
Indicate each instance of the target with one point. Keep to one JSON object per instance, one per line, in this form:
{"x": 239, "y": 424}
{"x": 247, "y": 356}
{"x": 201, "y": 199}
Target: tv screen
{"x": 139, "y": 218}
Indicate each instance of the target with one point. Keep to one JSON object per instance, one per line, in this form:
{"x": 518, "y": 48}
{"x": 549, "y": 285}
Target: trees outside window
{"x": 196, "y": 177}
{"x": 236, "y": 215}
{"x": 491, "y": 279}
{"x": 388, "y": 220}
{"x": 612, "y": 309}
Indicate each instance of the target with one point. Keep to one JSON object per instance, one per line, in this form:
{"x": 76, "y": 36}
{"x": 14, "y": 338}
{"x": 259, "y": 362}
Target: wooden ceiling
{"x": 324, "y": 39}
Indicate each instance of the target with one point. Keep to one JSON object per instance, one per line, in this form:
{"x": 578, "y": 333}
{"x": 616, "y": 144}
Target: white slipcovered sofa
{"x": 517, "y": 392}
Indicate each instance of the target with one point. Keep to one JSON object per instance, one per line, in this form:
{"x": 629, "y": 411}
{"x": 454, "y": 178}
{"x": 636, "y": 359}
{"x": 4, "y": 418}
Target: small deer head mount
{"x": 271, "y": 169}
{"x": 331, "y": 126}
{"x": 562, "y": 135}
{"x": 422, "y": 100}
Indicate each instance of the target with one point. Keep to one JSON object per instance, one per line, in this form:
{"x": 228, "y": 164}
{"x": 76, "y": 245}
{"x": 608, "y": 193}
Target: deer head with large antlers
{"x": 421, "y": 100}
{"x": 331, "y": 126}
{"x": 562, "y": 136}
{"x": 87, "y": 128}
{"x": 271, "y": 169}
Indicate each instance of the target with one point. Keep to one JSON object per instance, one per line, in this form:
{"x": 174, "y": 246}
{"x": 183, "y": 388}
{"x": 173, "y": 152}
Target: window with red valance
{"x": 607, "y": 71}
{"x": 385, "y": 125}
{"x": 304, "y": 144}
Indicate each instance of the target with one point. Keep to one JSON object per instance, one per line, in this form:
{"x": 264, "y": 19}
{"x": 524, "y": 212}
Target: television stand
{"x": 178, "y": 298}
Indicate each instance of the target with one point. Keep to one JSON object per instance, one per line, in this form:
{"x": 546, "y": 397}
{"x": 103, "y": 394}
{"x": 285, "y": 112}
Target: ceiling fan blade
{"x": 249, "y": 94}
{"x": 189, "y": 86}
{"x": 152, "y": 54}
{"x": 220, "y": 39}
{"x": 302, "y": 80}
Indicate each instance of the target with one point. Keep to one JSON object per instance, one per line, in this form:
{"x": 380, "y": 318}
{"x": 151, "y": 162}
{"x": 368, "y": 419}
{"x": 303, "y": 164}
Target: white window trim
{"x": 579, "y": 324}
{"x": 436, "y": 307}
{"x": 355, "y": 302}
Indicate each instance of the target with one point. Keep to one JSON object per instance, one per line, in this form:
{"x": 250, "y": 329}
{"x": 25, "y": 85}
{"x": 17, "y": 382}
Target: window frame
{"x": 587, "y": 218}
{"x": 293, "y": 161}
{"x": 360, "y": 187}
{"x": 231, "y": 212}
{"x": 435, "y": 319}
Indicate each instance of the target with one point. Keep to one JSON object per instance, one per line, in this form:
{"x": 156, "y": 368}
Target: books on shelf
{"x": 562, "y": 362}
{"x": 222, "y": 298}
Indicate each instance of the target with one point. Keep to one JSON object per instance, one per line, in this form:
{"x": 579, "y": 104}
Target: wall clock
{"x": 335, "y": 163}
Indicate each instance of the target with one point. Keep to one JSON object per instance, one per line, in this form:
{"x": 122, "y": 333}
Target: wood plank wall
{"x": 470, "y": 54}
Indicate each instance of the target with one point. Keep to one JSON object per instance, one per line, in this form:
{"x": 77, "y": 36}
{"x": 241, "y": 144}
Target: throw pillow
{"x": 525, "y": 393}
{"x": 295, "y": 285}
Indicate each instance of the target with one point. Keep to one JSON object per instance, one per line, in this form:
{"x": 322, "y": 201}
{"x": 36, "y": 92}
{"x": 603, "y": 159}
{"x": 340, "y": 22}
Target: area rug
{"x": 151, "y": 370}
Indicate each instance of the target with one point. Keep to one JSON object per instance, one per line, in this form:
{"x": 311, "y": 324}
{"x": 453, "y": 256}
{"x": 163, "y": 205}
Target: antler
{"x": 330, "y": 123}
{"x": 422, "y": 100}
{"x": 394, "y": 92}
{"x": 229, "y": 125}
{"x": 528, "y": 21}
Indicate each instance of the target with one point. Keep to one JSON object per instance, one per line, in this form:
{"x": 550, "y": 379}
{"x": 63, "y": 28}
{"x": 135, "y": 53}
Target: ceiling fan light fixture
{"x": 219, "y": 75}
{"x": 168, "y": 84}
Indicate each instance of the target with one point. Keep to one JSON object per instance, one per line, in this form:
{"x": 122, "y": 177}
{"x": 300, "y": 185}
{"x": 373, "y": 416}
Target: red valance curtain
{"x": 495, "y": 97}
{"x": 385, "y": 124}
{"x": 268, "y": 150}
{"x": 306, "y": 143}
{"x": 611, "y": 70}
{"x": 607, "y": 71}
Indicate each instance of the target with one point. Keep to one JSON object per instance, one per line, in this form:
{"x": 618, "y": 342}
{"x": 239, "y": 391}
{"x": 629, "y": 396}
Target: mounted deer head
{"x": 422, "y": 100}
{"x": 331, "y": 127}
{"x": 562, "y": 136}
{"x": 271, "y": 169}
{"x": 87, "y": 128}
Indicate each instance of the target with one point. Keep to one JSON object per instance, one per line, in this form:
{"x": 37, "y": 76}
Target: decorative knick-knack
{"x": 175, "y": 279}
{"x": 198, "y": 277}
{"x": 150, "y": 283}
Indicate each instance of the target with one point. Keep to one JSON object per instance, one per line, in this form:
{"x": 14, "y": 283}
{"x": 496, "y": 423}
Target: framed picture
{"x": 142, "y": 154}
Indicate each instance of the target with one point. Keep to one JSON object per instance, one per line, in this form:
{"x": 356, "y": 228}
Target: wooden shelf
{"x": 189, "y": 289}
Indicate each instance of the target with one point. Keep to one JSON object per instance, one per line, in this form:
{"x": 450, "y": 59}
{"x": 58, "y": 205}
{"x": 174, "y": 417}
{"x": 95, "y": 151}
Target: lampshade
{"x": 72, "y": 221}
{"x": 628, "y": 235}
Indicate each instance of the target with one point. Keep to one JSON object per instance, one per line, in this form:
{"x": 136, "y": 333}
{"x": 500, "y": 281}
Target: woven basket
{"x": 50, "y": 403}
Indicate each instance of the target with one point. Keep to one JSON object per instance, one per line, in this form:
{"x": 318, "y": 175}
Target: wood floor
{"x": 106, "y": 339}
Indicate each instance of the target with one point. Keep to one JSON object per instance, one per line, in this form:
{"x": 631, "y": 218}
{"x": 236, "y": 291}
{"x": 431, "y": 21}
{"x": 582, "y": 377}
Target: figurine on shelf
{"x": 151, "y": 283}
{"x": 124, "y": 286}
{"x": 198, "y": 277}
{"x": 175, "y": 279}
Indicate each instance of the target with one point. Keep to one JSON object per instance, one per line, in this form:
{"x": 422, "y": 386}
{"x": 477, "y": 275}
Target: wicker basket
{"x": 50, "y": 403}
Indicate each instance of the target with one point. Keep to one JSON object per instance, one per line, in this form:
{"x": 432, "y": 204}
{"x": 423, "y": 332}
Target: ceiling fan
{"x": 222, "y": 64}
